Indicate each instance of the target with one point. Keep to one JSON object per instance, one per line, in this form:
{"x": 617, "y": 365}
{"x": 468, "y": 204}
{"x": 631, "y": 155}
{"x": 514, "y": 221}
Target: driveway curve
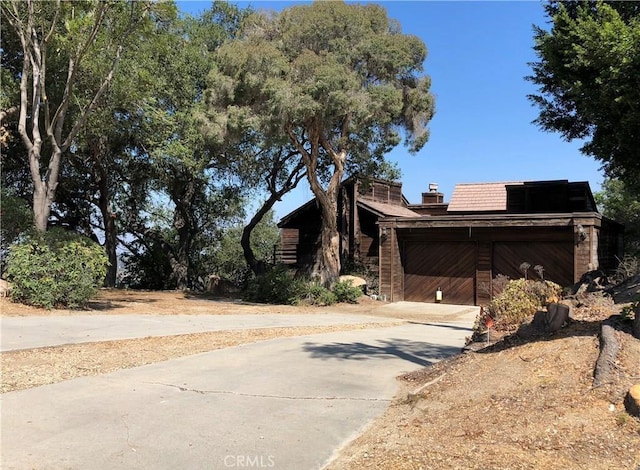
{"x": 288, "y": 403}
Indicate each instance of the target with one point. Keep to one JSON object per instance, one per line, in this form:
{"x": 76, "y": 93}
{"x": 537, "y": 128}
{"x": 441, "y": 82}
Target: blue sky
{"x": 482, "y": 130}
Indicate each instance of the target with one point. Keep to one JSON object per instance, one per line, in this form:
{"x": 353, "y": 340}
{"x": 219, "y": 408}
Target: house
{"x": 459, "y": 247}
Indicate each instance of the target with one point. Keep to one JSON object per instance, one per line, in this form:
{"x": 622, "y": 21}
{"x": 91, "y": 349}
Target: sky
{"x": 482, "y": 130}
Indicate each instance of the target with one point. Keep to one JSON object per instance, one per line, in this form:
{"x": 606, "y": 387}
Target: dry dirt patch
{"x": 128, "y": 302}
{"x": 516, "y": 405}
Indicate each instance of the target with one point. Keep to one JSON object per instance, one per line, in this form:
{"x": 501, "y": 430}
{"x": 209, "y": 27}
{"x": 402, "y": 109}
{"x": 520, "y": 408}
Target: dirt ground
{"x": 514, "y": 405}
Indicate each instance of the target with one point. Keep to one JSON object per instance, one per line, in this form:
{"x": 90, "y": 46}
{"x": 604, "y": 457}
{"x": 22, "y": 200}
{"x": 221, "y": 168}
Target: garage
{"x": 555, "y": 257}
{"x": 448, "y": 266}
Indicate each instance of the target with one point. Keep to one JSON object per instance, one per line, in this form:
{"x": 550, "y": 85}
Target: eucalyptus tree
{"x": 57, "y": 92}
{"x": 340, "y": 82}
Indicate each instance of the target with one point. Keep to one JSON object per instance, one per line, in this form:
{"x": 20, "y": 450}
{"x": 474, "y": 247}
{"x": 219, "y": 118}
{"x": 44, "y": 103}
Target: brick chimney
{"x": 433, "y": 196}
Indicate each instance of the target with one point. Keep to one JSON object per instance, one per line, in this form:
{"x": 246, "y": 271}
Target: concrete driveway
{"x": 286, "y": 404}
{"x": 38, "y": 332}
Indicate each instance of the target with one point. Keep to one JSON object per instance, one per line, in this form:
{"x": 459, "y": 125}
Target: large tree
{"x": 57, "y": 93}
{"x": 623, "y": 206}
{"x": 588, "y": 75}
{"x": 181, "y": 172}
{"x": 339, "y": 81}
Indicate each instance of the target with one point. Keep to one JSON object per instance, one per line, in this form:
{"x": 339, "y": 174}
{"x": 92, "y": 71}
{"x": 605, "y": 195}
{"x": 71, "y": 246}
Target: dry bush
{"x": 519, "y": 300}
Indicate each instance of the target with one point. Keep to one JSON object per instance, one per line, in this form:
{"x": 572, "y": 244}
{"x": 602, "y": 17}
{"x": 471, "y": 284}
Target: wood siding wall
{"x": 391, "y": 277}
{"x": 379, "y": 191}
{"x": 289, "y": 245}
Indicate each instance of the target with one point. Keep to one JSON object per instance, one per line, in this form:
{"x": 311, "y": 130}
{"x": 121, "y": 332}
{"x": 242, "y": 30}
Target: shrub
{"x": 313, "y": 293}
{"x": 520, "y": 299}
{"x": 276, "y": 286}
{"x": 279, "y": 286}
{"x": 55, "y": 268}
{"x": 345, "y": 292}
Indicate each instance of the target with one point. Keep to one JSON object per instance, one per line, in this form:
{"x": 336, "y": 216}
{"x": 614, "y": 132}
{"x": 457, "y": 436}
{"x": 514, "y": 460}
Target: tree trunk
{"x": 609, "y": 347}
{"x": 327, "y": 260}
{"x": 41, "y": 209}
{"x": 326, "y": 265}
{"x": 245, "y": 241}
{"x": 110, "y": 244}
{"x": 183, "y": 223}
{"x": 108, "y": 217}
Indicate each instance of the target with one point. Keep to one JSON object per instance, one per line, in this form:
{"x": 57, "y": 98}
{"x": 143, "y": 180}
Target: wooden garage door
{"x": 555, "y": 257}
{"x": 450, "y": 266}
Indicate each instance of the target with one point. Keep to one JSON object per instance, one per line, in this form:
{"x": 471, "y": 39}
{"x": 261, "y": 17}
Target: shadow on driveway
{"x": 417, "y": 352}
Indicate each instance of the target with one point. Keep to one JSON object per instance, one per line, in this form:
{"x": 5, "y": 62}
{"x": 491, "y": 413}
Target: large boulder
{"x": 355, "y": 281}
{"x": 554, "y": 317}
{"x": 218, "y": 286}
{"x": 557, "y": 315}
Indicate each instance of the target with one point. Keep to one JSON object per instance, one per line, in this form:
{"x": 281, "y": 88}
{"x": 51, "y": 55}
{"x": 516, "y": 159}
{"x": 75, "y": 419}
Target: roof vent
{"x": 433, "y": 187}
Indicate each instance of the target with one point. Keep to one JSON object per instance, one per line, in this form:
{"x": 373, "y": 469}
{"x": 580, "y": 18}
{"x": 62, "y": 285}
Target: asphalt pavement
{"x": 287, "y": 403}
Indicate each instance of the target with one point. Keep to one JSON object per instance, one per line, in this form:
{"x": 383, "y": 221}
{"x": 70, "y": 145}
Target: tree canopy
{"x": 57, "y": 92}
{"x": 339, "y": 83}
{"x": 588, "y": 75}
{"x": 623, "y": 206}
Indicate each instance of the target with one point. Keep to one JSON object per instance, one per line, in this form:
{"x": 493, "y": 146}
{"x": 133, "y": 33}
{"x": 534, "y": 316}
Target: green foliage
{"x": 587, "y": 73}
{"x": 279, "y": 286}
{"x": 224, "y": 255}
{"x": 338, "y": 82}
{"x": 16, "y": 217}
{"x": 148, "y": 268}
{"x": 313, "y": 293}
{"x": 55, "y": 268}
{"x": 621, "y": 204}
{"x": 276, "y": 286}
{"x": 345, "y": 292}
{"x": 520, "y": 299}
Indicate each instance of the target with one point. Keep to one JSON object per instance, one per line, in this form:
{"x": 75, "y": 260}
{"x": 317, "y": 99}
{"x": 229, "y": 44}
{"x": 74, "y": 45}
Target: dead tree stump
{"x": 609, "y": 347}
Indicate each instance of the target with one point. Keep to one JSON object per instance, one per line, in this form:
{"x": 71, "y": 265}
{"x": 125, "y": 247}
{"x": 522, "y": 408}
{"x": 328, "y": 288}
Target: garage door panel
{"x": 555, "y": 257}
{"x": 448, "y": 266}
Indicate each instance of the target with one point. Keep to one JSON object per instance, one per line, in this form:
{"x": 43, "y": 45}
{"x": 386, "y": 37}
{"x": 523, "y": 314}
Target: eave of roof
{"x": 307, "y": 205}
{"x": 386, "y": 210}
{"x": 495, "y": 220}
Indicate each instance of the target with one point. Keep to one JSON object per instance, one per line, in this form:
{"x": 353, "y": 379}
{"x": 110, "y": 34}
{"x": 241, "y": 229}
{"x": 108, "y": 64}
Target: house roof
{"x": 386, "y": 210}
{"x": 474, "y": 197}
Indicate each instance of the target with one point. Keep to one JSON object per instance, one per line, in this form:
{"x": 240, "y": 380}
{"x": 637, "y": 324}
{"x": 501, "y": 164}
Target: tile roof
{"x": 473, "y": 197}
{"x": 387, "y": 210}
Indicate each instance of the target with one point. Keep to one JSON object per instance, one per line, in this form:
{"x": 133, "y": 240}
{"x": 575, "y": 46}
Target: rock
{"x": 218, "y": 286}
{"x": 355, "y": 281}
{"x": 4, "y": 288}
{"x": 632, "y": 400}
{"x": 557, "y": 315}
{"x": 546, "y": 321}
